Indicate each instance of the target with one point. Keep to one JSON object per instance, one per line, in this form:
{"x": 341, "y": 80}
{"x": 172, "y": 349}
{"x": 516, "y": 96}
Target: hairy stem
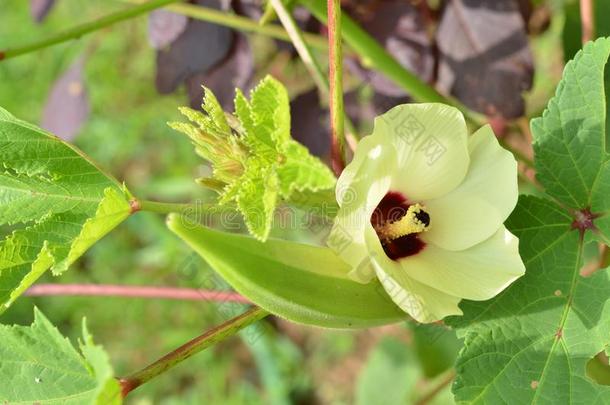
{"x": 134, "y": 291}
{"x": 86, "y": 28}
{"x": 335, "y": 70}
{"x": 191, "y": 348}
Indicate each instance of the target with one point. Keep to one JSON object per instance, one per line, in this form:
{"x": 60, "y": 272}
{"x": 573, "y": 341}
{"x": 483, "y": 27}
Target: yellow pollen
{"x": 406, "y": 225}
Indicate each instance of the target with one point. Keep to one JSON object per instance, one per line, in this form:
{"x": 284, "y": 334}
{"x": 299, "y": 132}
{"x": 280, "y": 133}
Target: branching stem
{"x": 86, "y": 28}
{"x": 186, "y": 351}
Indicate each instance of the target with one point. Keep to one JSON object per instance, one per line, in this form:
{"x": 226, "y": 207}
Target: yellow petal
{"x": 476, "y": 208}
{"x": 477, "y": 273}
{"x": 432, "y": 147}
{"x": 361, "y": 186}
{"x": 424, "y": 303}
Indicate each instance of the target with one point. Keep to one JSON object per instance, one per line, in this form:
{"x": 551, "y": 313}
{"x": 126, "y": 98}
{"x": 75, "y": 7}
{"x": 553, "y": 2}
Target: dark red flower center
{"x": 393, "y": 207}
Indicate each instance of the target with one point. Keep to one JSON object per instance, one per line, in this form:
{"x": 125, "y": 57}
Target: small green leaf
{"x": 258, "y": 209}
{"x": 61, "y": 201}
{"x": 301, "y": 171}
{"x": 271, "y": 112}
{"x": 302, "y": 283}
{"x": 569, "y": 138}
{"x": 216, "y": 115}
{"x": 39, "y": 366}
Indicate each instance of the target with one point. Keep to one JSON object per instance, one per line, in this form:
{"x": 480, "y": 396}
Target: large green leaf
{"x": 569, "y": 138}
{"x": 305, "y": 284}
{"x": 531, "y": 344}
{"x": 58, "y": 202}
{"x": 39, "y": 366}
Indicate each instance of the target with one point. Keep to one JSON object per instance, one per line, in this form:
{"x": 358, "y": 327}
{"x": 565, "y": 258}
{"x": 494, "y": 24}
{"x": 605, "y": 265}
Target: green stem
{"x": 159, "y": 207}
{"x": 244, "y": 24}
{"x": 193, "y": 209}
{"x": 335, "y": 73}
{"x": 375, "y": 57}
{"x": 298, "y": 41}
{"x": 86, "y": 28}
{"x": 186, "y": 351}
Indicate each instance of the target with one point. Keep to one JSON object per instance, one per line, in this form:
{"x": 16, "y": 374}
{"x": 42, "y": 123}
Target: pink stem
{"x": 586, "y": 18}
{"x": 171, "y": 293}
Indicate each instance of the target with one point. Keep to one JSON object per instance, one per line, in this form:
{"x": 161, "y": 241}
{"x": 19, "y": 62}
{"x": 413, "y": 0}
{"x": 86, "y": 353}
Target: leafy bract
{"x": 255, "y": 162}
{"x": 58, "y": 202}
{"x": 531, "y": 343}
{"x": 305, "y": 284}
{"x": 40, "y": 366}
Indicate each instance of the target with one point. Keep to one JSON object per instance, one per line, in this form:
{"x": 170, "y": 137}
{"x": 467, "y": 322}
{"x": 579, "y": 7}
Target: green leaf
{"x": 532, "y": 343}
{"x": 302, "y": 171}
{"x": 571, "y": 159}
{"x": 255, "y": 161}
{"x": 59, "y": 200}
{"x": 258, "y": 209}
{"x": 38, "y": 365}
{"x": 302, "y": 283}
{"x": 271, "y": 112}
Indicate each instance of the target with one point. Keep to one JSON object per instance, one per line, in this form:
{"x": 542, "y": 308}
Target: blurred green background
{"x": 126, "y": 133}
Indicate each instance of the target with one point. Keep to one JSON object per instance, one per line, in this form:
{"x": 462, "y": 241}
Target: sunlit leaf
{"x": 57, "y": 200}
{"x": 40, "y": 366}
{"x": 532, "y": 343}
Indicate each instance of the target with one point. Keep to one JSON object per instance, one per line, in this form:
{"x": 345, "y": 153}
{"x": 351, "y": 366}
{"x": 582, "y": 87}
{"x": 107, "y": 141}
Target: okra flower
{"x": 422, "y": 206}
